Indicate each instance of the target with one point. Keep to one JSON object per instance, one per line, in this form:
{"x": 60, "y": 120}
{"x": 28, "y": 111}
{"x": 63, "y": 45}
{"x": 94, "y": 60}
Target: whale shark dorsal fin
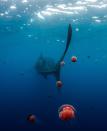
{"x": 69, "y": 36}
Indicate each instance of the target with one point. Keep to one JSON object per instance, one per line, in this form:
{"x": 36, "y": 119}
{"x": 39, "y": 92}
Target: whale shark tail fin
{"x": 69, "y": 36}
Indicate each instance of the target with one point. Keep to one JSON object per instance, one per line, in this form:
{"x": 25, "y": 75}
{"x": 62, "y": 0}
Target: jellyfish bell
{"x": 66, "y": 112}
{"x": 66, "y": 106}
{"x": 74, "y": 59}
{"x": 59, "y": 84}
{"x": 66, "y": 115}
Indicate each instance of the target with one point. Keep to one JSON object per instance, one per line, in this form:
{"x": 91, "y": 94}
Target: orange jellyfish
{"x": 59, "y": 84}
{"x": 31, "y": 118}
{"x": 66, "y": 112}
{"x": 74, "y": 59}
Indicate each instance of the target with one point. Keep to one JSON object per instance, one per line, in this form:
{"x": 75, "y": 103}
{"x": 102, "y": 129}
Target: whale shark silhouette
{"x": 46, "y": 66}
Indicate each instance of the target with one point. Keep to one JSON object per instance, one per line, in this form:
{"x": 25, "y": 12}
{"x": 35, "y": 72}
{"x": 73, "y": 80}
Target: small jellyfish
{"x": 74, "y": 59}
{"x": 66, "y": 112}
{"x": 31, "y": 118}
{"x": 62, "y": 63}
{"x": 59, "y": 84}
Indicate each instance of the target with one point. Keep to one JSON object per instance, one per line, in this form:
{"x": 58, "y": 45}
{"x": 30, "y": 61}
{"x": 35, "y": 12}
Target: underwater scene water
{"x": 31, "y": 28}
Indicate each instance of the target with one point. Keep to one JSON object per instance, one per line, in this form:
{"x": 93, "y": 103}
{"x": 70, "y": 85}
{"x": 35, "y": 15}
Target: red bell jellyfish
{"x": 59, "y": 84}
{"x": 66, "y": 112}
{"x": 74, "y": 59}
{"x": 31, "y": 118}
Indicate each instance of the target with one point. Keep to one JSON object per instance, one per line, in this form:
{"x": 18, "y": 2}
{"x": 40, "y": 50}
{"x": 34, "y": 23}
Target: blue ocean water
{"x": 29, "y": 28}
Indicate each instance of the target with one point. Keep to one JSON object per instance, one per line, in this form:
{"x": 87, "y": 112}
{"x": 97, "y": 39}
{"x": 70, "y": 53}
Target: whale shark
{"x": 47, "y": 66}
